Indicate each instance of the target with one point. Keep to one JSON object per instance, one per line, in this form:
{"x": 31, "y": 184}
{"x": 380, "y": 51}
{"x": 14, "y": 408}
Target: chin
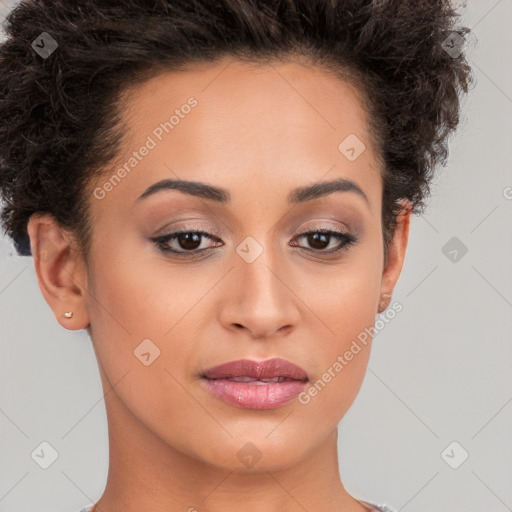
{"x": 258, "y": 453}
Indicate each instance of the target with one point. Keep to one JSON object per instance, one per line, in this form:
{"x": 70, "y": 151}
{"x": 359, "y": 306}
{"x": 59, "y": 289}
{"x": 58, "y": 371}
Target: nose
{"x": 259, "y": 298}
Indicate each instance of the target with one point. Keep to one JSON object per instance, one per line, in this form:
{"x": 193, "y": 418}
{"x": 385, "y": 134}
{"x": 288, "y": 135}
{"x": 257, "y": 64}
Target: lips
{"x": 246, "y": 370}
{"x": 255, "y": 385}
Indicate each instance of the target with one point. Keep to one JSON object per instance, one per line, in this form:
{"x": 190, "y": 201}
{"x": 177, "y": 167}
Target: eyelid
{"x": 176, "y": 227}
{"x": 327, "y": 223}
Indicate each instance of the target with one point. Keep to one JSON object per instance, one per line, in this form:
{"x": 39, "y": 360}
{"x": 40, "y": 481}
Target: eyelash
{"x": 162, "y": 240}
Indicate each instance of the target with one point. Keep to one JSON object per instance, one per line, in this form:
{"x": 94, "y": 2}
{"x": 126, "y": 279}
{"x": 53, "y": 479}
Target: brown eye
{"x": 320, "y": 239}
{"x": 188, "y": 241}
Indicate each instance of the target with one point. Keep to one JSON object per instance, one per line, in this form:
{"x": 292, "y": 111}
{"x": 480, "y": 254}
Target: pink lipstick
{"x": 256, "y": 384}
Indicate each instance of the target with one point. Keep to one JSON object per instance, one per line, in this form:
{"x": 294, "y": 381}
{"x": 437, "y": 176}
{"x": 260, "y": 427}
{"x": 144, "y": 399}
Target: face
{"x": 261, "y": 280}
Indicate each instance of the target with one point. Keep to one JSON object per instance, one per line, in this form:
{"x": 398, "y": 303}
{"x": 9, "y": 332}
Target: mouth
{"x": 255, "y": 385}
{"x": 256, "y": 382}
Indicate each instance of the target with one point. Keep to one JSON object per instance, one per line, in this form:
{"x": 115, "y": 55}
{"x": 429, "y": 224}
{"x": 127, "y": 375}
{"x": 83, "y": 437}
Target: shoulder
{"x": 379, "y": 508}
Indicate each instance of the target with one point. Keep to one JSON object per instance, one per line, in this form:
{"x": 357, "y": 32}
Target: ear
{"x": 396, "y": 256}
{"x": 61, "y": 272}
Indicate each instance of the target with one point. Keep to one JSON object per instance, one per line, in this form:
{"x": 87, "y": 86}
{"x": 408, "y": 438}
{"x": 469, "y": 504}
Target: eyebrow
{"x": 221, "y": 195}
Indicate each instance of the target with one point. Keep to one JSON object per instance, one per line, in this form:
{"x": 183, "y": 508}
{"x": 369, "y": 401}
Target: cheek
{"x": 135, "y": 319}
{"x": 132, "y": 295}
{"x": 341, "y": 360}
{"x": 136, "y": 298}
{"x": 124, "y": 310}
{"x": 346, "y": 303}
{"x": 344, "y": 297}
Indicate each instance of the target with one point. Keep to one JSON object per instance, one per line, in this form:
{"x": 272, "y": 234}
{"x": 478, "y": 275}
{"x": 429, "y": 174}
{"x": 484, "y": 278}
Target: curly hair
{"x": 61, "y": 115}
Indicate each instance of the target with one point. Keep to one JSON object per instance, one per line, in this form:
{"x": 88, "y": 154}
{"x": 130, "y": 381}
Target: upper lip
{"x": 268, "y": 369}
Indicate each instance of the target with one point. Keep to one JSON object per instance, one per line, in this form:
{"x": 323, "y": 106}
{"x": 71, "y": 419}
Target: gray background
{"x": 441, "y": 371}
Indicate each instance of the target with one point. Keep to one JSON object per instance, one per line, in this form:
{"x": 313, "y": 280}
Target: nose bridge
{"x": 260, "y": 299}
{"x": 257, "y": 265}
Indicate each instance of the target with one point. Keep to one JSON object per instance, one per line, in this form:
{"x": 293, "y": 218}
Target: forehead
{"x": 252, "y": 99}
{"x": 277, "y": 124}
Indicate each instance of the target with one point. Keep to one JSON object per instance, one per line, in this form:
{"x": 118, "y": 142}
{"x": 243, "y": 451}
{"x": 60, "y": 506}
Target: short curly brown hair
{"x": 60, "y": 115}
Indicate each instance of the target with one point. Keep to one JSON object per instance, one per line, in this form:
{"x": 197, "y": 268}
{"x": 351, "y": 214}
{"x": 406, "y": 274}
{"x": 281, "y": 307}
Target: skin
{"x": 173, "y": 445}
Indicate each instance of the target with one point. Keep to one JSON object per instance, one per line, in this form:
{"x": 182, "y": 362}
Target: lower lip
{"x": 255, "y": 396}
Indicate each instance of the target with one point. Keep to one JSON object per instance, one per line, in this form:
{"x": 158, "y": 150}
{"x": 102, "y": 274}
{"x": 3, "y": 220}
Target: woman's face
{"x": 258, "y": 289}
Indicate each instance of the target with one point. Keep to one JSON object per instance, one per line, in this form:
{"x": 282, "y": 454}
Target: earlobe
{"x": 384, "y": 301}
{"x": 59, "y": 269}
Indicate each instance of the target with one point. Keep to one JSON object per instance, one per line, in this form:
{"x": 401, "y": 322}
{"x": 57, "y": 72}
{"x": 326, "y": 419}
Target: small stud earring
{"x": 69, "y": 314}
